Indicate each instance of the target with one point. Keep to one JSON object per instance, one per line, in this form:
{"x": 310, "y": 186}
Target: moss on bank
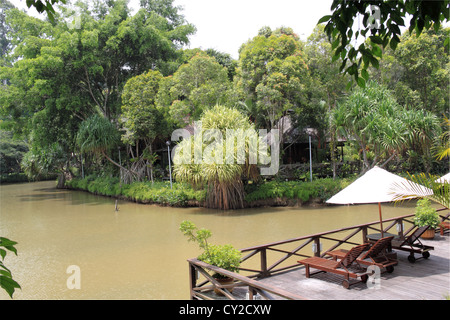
{"x": 272, "y": 193}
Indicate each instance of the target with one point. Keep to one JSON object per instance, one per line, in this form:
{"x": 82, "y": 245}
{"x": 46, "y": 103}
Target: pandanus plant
{"x": 221, "y": 176}
{"x": 97, "y": 135}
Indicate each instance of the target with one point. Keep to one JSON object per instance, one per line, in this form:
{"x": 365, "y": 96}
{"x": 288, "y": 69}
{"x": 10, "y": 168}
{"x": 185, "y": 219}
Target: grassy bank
{"x": 182, "y": 195}
{"x": 22, "y": 177}
{"x": 301, "y": 192}
{"x": 142, "y": 192}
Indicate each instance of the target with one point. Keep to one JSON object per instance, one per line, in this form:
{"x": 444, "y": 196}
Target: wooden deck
{"x": 272, "y": 270}
{"x": 426, "y": 279}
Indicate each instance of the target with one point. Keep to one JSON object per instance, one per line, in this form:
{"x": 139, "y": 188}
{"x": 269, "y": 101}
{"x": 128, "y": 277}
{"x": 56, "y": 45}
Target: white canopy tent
{"x": 375, "y": 186}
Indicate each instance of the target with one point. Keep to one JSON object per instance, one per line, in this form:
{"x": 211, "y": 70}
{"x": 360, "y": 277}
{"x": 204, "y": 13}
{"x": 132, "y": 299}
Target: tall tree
{"x": 272, "y": 77}
{"x": 142, "y": 119}
{"x": 62, "y": 74}
{"x": 424, "y": 62}
{"x": 5, "y": 43}
{"x": 196, "y": 86}
{"x": 326, "y": 87}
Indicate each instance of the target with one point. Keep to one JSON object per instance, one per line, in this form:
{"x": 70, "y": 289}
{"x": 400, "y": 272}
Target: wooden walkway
{"x": 426, "y": 279}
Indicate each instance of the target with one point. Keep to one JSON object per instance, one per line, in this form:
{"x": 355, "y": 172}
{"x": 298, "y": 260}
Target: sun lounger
{"x": 375, "y": 255}
{"x": 412, "y": 244}
{"x": 340, "y": 267}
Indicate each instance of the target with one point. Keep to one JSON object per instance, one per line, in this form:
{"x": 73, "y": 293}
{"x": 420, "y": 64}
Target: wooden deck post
{"x": 400, "y": 227}
{"x": 264, "y": 272}
{"x": 364, "y": 234}
{"x": 317, "y": 246}
{"x": 192, "y": 280}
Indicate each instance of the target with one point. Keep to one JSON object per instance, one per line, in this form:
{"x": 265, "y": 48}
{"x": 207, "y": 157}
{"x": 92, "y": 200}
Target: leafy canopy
{"x": 385, "y": 33}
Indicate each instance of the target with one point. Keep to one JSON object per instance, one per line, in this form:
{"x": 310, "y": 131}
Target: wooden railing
{"x": 254, "y": 288}
{"x": 298, "y": 248}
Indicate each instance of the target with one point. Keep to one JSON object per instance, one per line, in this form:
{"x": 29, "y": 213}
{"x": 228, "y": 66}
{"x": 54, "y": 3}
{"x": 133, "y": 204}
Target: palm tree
{"x": 222, "y": 178}
{"x": 440, "y": 189}
{"x": 372, "y": 118}
{"x": 443, "y": 149}
{"x": 98, "y": 135}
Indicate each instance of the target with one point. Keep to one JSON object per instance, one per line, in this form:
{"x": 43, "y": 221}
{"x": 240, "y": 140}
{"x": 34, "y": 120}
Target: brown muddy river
{"x": 137, "y": 252}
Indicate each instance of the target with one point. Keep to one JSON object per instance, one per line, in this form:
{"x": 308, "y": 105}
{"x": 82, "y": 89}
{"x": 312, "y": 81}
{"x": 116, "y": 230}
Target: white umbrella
{"x": 444, "y": 179}
{"x": 375, "y": 186}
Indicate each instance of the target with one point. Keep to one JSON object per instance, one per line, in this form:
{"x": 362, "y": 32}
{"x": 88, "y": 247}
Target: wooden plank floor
{"x": 426, "y": 279}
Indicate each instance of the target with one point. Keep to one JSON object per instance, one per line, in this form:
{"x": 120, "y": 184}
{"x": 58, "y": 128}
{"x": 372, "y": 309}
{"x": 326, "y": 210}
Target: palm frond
{"x": 423, "y": 186}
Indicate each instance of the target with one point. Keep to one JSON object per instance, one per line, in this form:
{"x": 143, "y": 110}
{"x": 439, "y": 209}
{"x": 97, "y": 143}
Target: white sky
{"x": 225, "y": 25}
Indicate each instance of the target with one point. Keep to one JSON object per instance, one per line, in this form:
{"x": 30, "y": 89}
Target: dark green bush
{"x": 181, "y": 194}
{"x": 305, "y": 191}
{"x": 158, "y": 192}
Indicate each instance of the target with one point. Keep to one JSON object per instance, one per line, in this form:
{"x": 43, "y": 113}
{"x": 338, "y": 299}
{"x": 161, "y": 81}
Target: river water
{"x": 137, "y": 252}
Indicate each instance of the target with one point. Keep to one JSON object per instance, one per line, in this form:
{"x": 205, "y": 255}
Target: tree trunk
{"x": 118, "y": 165}
{"x": 151, "y": 161}
{"x": 61, "y": 180}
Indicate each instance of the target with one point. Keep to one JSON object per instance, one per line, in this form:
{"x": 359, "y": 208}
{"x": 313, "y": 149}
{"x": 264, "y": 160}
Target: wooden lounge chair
{"x": 412, "y": 244}
{"x": 337, "y": 267}
{"x": 375, "y": 255}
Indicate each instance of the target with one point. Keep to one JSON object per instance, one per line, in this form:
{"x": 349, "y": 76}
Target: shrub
{"x": 305, "y": 191}
{"x": 223, "y": 256}
{"x": 158, "y": 192}
{"x": 426, "y": 215}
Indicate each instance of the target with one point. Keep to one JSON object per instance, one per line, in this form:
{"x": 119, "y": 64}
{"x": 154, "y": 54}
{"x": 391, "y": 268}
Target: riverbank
{"x": 22, "y": 177}
{"x": 265, "y": 194}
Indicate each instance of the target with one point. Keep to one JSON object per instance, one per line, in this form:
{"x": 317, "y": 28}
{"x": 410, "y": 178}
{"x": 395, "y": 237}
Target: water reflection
{"x": 137, "y": 252}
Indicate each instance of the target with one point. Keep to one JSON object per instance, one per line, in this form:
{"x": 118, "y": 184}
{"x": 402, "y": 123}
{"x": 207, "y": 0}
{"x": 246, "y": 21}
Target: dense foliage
{"x": 223, "y": 256}
{"x": 142, "y": 192}
{"x": 321, "y": 190}
{"x": 98, "y": 90}
{"x": 381, "y": 21}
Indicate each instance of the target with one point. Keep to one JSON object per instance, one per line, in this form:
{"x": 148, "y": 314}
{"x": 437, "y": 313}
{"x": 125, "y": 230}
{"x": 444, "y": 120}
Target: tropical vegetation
{"x": 93, "y": 93}
{"x": 223, "y": 256}
{"x": 99, "y": 99}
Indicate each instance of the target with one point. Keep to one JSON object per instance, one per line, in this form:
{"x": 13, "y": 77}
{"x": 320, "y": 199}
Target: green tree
{"x": 385, "y": 33}
{"x": 62, "y": 75}
{"x": 5, "y": 43}
{"x": 326, "y": 87}
{"x": 11, "y": 152}
{"x": 225, "y": 60}
{"x": 424, "y": 62}
{"x": 97, "y": 135}
{"x": 372, "y": 118}
{"x": 272, "y": 77}
{"x": 142, "y": 119}
{"x": 195, "y": 86}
